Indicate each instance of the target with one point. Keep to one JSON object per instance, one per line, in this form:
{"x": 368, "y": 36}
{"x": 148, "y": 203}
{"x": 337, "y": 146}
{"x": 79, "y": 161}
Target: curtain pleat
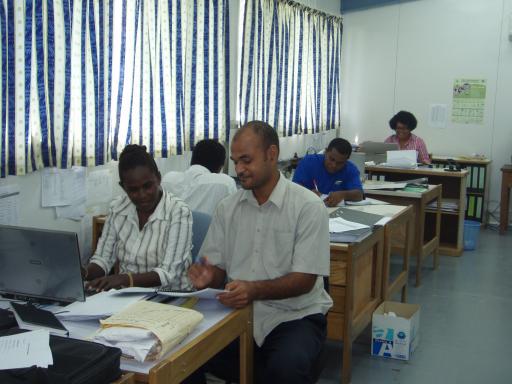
{"x": 290, "y": 67}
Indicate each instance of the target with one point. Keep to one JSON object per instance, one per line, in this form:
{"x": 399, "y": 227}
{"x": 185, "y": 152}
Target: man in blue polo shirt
{"x": 331, "y": 174}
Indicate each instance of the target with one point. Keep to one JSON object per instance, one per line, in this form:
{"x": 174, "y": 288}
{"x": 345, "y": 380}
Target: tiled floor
{"x": 466, "y": 316}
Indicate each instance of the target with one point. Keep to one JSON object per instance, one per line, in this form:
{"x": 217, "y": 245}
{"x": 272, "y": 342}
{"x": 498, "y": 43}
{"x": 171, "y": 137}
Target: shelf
{"x": 454, "y": 213}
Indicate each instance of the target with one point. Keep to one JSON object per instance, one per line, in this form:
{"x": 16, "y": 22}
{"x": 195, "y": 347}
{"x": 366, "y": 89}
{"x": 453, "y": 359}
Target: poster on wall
{"x": 468, "y": 101}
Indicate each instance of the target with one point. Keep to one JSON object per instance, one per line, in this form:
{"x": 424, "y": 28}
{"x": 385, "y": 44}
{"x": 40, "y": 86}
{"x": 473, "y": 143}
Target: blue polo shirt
{"x": 311, "y": 167}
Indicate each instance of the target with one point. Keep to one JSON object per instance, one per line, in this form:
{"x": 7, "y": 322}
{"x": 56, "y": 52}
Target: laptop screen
{"x": 40, "y": 264}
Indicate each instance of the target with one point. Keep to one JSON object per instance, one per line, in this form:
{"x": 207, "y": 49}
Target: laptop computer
{"x": 40, "y": 265}
{"x": 377, "y": 151}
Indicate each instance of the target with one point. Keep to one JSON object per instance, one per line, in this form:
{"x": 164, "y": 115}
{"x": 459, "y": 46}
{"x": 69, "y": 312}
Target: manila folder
{"x": 170, "y": 324}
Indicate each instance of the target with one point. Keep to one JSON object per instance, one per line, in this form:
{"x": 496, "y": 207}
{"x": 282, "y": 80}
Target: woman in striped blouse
{"x": 403, "y": 123}
{"x": 148, "y": 230}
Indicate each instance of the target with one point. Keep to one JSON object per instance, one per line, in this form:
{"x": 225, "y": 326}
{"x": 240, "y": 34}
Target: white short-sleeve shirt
{"x": 288, "y": 233}
{"x": 199, "y": 188}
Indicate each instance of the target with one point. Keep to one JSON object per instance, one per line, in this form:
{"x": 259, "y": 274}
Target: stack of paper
{"x": 446, "y": 205}
{"x": 147, "y": 330}
{"x": 207, "y": 293}
{"x": 344, "y": 231}
{"x": 348, "y": 225}
{"x": 401, "y": 159}
{"x": 25, "y": 350}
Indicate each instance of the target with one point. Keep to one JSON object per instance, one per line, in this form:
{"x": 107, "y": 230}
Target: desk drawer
{"x": 335, "y": 325}
{"x": 338, "y": 298}
{"x": 338, "y": 274}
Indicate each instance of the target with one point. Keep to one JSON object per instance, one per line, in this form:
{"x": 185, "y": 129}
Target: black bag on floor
{"x": 74, "y": 362}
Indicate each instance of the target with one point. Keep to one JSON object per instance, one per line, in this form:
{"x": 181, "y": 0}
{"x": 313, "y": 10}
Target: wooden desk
{"x": 427, "y": 230}
{"x": 355, "y": 285}
{"x": 180, "y": 364}
{"x": 126, "y": 378}
{"x": 204, "y": 343}
{"x": 398, "y": 235}
{"x": 454, "y": 191}
{"x": 506, "y": 184}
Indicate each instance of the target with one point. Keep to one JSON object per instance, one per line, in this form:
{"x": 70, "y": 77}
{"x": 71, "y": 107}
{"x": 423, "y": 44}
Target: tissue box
{"x": 395, "y": 337}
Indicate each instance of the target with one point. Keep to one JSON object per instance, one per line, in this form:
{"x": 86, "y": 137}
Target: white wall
{"x": 406, "y": 56}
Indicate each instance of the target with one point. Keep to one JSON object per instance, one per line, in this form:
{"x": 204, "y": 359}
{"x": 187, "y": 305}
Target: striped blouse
{"x": 163, "y": 245}
{"x": 414, "y": 143}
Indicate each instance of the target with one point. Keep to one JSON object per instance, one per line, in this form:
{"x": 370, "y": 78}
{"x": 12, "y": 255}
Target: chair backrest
{"x": 200, "y": 225}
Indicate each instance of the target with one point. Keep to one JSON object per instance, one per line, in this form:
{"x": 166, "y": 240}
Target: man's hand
{"x": 201, "y": 274}
{"x": 109, "y": 282}
{"x": 334, "y": 198}
{"x": 241, "y": 293}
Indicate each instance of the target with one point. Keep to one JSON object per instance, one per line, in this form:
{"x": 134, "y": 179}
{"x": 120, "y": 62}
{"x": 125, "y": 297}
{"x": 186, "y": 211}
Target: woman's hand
{"x": 108, "y": 282}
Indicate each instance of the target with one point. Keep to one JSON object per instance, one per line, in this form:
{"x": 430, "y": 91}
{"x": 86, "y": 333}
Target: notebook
{"x": 33, "y": 318}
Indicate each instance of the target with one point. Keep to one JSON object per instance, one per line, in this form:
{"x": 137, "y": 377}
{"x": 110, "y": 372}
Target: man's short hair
{"x": 342, "y": 146}
{"x": 210, "y": 154}
{"x": 404, "y": 117}
{"x": 266, "y": 133}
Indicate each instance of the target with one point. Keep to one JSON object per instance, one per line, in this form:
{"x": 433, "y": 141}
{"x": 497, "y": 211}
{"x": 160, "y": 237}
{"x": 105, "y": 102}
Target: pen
{"x": 316, "y": 185}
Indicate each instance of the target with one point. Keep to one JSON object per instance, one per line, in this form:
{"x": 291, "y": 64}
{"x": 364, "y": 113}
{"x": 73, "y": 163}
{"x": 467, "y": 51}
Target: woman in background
{"x": 148, "y": 230}
{"x": 403, "y": 123}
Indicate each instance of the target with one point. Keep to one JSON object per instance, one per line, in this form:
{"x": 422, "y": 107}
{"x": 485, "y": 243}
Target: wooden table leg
{"x": 246, "y": 356}
{"x": 435, "y": 256}
{"x": 421, "y": 240}
{"x": 504, "y": 203}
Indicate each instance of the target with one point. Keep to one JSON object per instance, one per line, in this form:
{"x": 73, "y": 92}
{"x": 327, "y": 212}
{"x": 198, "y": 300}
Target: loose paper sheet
{"x": 339, "y": 225}
{"x": 25, "y": 350}
{"x": 405, "y": 158}
{"x": 207, "y": 293}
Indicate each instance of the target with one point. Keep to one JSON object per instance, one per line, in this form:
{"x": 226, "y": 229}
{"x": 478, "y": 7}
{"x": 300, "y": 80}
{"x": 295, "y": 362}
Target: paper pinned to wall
{"x": 99, "y": 187}
{"x": 74, "y": 212}
{"x": 9, "y": 204}
{"x": 60, "y": 187}
{"x": 438, "y": 115}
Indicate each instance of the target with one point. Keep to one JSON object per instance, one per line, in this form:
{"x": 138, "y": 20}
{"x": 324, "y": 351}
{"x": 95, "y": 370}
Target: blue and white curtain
{"x": 172, "y": 87}
{"x": 80, "y": 79}
{"x": 290, "y": 67}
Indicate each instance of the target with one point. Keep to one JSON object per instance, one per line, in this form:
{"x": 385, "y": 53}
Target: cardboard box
{"x": 395, "y": 337}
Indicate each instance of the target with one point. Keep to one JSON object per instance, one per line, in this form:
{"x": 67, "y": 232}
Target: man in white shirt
{"x": 271, "y": 241}
{"x": 203, "y": 185}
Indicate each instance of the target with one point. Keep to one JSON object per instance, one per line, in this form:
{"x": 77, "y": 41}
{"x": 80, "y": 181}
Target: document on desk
{"x": 207, "y": 293}
{"x": 368, "y": 186}
{"x": 402, "y": 159}
{"x": 366, "y": 201}
{"x": 170, "y": 325}
{"x": 25, "y": 350}
{"x": 98, "y": 306}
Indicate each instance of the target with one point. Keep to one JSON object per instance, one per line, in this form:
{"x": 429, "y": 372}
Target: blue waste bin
{"x": 471, "y": 233}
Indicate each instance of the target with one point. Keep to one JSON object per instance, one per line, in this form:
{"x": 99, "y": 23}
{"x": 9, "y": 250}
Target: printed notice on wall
{"x": 468, "y": 101}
